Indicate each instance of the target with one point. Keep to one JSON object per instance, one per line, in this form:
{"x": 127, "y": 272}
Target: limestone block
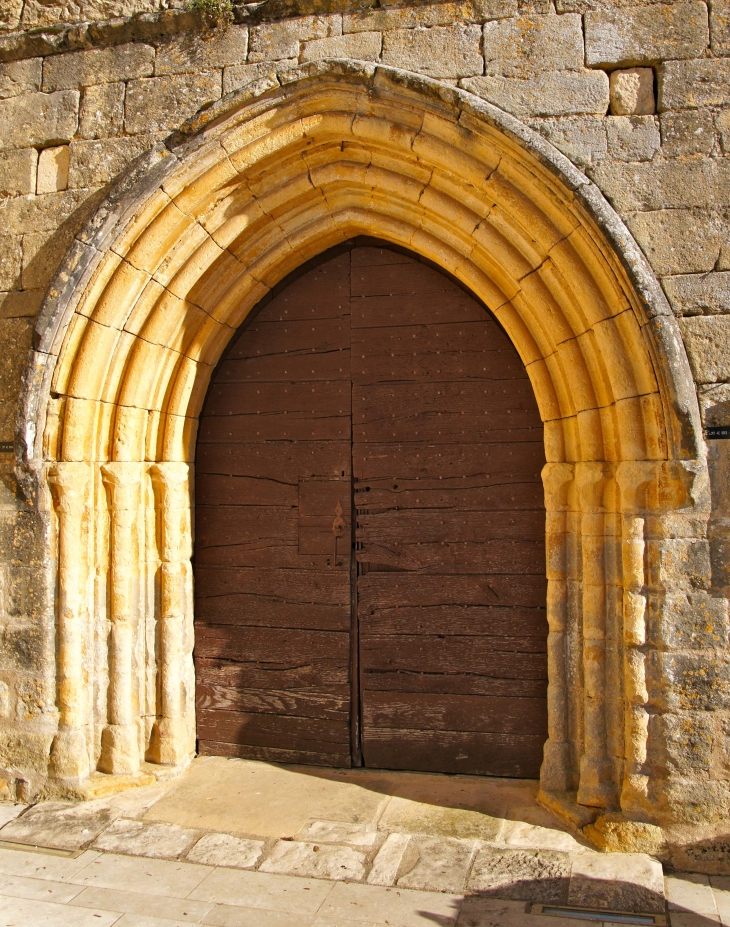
{"x": 678, "y": 241}
{"x": 689, "y": 681}
{"x": 646, "y": 34}
{"x": 722, "y": 121}
{"x": 632, "y": 138}
{"x": 52, "y": 174}
{"x": 98, "y": 66}
{"x": 707, "y": 340}
{"x": 315, "y": 861}
{"x": 699, "y": 294}
{"x": 720, "y": 26}
{"x": 580, "y": 138}
{"x": 612, "y": 832}
{"x": 678, "y": 563}
{"x": 61, "y": 825}
{"x": 20, "y": 77}
{"x": 18, "y": 171}
{"x": 35, "y": 119}
{"x": 690, "y": 84}
{"x": 277, "y": 40}
{"x": 530, "y": 44}
{"x": 627, "y": 882}
{"x": 159, "y": 841}
{"x": 42, "y": 253}
{"x": 238, "y": 75}
{"x": 185, "y": 53}
{"x": 101, "y": 114}
{"x": 363, "y": 46}
{"x": 428, "y": 14}
{"x": 557, "y": 93}
{"x": 224, "y": 850}
{"x": 521, "y": 875}
{"x": 97, "y": 162}
{"x": 688, "y": 133}
{"x": 684, "y": 740}
{"x": 10, "y": 12}
{"x": 22, "y": 304}
{"x": 356, "y": 835}
{"x": 154, "y": 104}
{"x": 442, "y": 51}
{"x": 45, "y": 13}
{"x": 632, "y": 92}
{"x": 440, "y": 864}
{"x": 689, "y": 621}
{"x": 11, "y": 256}
{"x": 665, "y": 184}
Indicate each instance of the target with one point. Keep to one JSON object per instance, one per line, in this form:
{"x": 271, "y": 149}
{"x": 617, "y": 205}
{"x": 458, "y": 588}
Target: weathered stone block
{"x": 39, "y": 118}
{"x": 690, "y": 84}
{"x": 699, "y": 294}
{"x": 45, "y": 213}
{"x": 646, "y": 34}
{"x": 707, "y": 340}
{"x": 154, "y": 104}
{"x": 722, "y": 121}
{"x": 20, "y": 77}
{"x": 678, "y": 241}
{"x": 42, "y": 253}
{"x": 690, "y": 621}
{"x": 689, "y": 681}
{"x": 522, "y": 875}
{"x": 632, "y": 138}
{"x": 10, "y": 12}
{"x": 185, "y": 53}
{"x": 98, "y": 66}
{"x": 720, "y": 26}
{"x": 627, "y": 882}
{"x": 558, "y": 93}
{"x": 97, "y": 162}
{"x": 102, "y": 111}
{"x": 632, "y": 92}
{"x": 20, "y": 304}
{"x": 428, "y": 14}
{"x": 580, "y": 138}
{"x": 678, "y": 563}
{"x": 53, "y": 169}
{"x": 531, "y": 44}
{"x": 18, "y": 171}
{"x": 364, "y": 46}
{"x": 277, "y": 40}
{"x": 238, "y": 75}
{"x": 665, "y": 184}
{"x": 688, "y": 133}
{"x": 11, "y": 256}
{"x": 442, "y": 51}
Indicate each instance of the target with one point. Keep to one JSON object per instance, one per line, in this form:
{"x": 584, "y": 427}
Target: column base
{"x": 119, "y": 749}
{"x": 597, "y": 788}
{"x": 69, "y": 757}
{"x": 169, "y": 742}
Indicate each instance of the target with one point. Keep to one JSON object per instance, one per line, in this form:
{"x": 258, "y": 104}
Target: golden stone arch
{"x": 195, "y": 234}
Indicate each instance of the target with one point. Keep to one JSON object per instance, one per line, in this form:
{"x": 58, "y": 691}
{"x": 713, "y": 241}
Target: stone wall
{"x": 635, "y": 94}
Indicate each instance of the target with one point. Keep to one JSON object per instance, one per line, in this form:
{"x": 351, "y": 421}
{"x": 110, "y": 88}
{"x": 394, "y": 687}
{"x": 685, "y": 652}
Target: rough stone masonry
{"x": 636, "y": 94}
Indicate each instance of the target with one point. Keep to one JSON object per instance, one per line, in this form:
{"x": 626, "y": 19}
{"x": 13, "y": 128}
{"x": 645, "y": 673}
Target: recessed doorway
{"x": 370, "y": 557}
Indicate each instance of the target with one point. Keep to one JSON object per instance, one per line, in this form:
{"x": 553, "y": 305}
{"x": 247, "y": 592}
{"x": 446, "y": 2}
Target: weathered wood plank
{"x": 327, "y": 703}
{"x": 494, "y": 495}
{"x": 403, "y": 525}
{"x": 458, "y": 683}
{"x": 527, "y": 626}
{"x": 429, "y": 712}
{"x": 339, "y": 755}
{"x": 383, "y": 590}
{"x": 270, "y": 730}
{"x": 267, "y": 677}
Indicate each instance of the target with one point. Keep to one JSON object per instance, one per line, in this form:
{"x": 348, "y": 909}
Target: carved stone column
{"x": 70, "y": 488}
{"x": 120, "y": 738}
{"x": 596, "y": 788}
{"x": 555, "y": 774}
{"x": 170, "y": 744}
{"x": 634, "y": 480}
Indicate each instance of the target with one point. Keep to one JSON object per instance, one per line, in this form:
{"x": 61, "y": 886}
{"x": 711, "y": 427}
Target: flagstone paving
{"x": 237, "y": 842}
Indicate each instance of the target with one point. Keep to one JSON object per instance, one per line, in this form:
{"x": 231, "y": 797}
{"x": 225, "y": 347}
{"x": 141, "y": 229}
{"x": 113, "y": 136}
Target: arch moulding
{"x": 205, "y": 225}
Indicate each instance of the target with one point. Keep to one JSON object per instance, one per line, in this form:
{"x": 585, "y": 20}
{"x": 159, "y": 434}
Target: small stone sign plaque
{"x": 717, "y": 432}
{"x": 7, "y": 447}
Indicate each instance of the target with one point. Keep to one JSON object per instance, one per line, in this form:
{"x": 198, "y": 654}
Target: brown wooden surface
{"x": 273, "y": 616}
{"x": 447, "y": 453}
{"x": 372, "y": 375}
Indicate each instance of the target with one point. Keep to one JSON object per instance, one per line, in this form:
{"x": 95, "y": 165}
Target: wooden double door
{"x": 369, "y": 556}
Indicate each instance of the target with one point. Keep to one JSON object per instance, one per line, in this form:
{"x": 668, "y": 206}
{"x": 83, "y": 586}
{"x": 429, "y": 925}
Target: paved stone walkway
{"x": 235, "y": 842}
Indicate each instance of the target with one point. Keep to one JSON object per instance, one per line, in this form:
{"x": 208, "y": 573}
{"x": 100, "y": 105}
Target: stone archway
{"x": 195, "y": 235}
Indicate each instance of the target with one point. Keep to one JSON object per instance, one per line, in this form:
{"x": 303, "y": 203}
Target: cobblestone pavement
{"x": 235, "y": 842}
